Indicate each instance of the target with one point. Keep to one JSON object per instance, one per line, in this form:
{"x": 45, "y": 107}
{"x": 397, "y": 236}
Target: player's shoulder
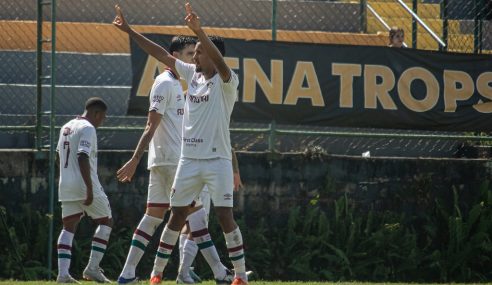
{"x": 234, "y": 78}
{"x": 68, "y": 124}
{"x": 85, "y": 126}
{"x": 165, "y": 78}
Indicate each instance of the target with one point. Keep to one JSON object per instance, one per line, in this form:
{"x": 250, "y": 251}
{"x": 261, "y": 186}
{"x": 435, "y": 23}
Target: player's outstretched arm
{"x": 147, "y": 45}
{"x": 193, "y": 22}
{"x": 126, "y": 172}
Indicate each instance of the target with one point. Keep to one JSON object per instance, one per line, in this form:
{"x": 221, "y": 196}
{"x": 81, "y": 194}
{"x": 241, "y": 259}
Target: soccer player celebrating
{"x": 163, "y": 136}
{"x": 187, "y": 246}
{"x": 206, "y": 149}
{"x": 80, "y": 190}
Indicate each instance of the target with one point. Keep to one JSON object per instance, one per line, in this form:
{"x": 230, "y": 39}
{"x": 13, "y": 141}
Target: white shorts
{"x": 160, "y": 184}
{"x": 98, "y": 209}
{"x": 193, "y": 174}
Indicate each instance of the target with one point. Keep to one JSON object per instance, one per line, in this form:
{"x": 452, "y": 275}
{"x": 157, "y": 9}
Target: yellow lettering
{"x": 431, "y": 84}
{"x": 148, "y": 76}
{"x": 346, "y": 73}
{"x": 296, "y": 90}
{"x": 484, "y": 88}
{"x": 453, "y": 93}
{"x": 373, "y": 91}
{"x": 253, "y": 73}
{"x": 232, "y": 62}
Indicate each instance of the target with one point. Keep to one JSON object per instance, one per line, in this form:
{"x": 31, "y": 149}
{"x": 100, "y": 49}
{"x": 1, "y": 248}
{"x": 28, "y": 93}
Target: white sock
{"x": 190, "y": 250}
{"x": 182, "y": 240}
{"x": 168, "y": 240}
{"x": 234, "y": 242}
{"x": 199, "y": 231}
{"x": 99, "y": 244}
{"x": 64, "y": 248}
{"x": 141, "y": 237}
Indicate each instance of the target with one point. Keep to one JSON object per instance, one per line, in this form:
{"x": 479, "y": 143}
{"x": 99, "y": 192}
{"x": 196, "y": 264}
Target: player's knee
{"x": 105, "y": 222}
{"x": 178, "y": 218}
{"x": 70, "y": 227}
{"x": 225, "y": 218}
{"x": 224, "y": 213}
{"x": 186, "y": 229}
{"x": 156, "y": 212}
{"x": 180, "y": 213}
{"x": 110, "y": 223}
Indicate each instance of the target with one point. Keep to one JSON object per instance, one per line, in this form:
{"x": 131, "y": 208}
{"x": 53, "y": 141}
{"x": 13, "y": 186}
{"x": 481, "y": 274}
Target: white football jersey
{"x": 77, "y": 136}
{"x": 208, "y": 109}
{"x": 166, "y": 98}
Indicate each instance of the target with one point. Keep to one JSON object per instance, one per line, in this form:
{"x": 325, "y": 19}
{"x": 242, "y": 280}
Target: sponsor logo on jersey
{"x": 198, "y": 99}
{"x": 192, "y": 140}
{"x": 209, "y": 85}
{"x": 84, "y": 143}
{"x": 194, "y": 84}
{"x": 67, "y": 131}
{"x": 178, "y": 98}
{"x": 227, "y": 196}
{"x": 157, "y": 98}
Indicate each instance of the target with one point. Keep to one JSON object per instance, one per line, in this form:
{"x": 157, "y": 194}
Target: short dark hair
{"x": 394, "y": 31}
{"x": 178, "y": 43}
{"x": 96, "y": 103}
{"x": 219, "y": 43}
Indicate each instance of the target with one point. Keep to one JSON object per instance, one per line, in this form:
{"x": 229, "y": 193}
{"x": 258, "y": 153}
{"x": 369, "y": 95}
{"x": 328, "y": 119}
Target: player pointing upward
{"x": 206, "y": 150}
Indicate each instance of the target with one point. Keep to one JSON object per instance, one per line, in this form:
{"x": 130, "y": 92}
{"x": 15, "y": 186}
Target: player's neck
{"x": 86, "y": 116}
{"x": 209, "y": 73}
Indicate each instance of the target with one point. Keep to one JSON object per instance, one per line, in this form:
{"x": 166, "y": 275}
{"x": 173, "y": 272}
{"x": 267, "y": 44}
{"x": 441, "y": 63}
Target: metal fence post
{"x": 477, "y": 27}
{"x": 274, "y": 20}
{"x": 271, "y": 136}
{"x": 363, "y": 16}
{"x": 444, "y": 17}
{"x": 39, "y": 72}
{"x": 52, "y": 135}
{"x": 414, "y": 25}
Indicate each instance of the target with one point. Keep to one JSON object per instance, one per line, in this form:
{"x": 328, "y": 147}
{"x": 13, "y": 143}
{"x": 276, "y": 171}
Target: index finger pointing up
{"x": 118, "y": 10}
{"x": 188, "y": 8}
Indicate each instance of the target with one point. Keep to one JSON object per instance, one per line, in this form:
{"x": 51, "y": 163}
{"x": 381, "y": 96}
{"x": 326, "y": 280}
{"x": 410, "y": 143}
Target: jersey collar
{"x": 174, "y": 75}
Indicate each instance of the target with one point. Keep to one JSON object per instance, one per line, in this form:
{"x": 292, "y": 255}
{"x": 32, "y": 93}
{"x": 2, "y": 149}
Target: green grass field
{"x": 169, "y": 282}
{"x": 252, "y": 283}
{"x": 203, "y": 283}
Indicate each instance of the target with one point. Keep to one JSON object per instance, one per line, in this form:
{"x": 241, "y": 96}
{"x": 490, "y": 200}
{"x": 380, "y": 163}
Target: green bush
{"x": 422, "y": 234}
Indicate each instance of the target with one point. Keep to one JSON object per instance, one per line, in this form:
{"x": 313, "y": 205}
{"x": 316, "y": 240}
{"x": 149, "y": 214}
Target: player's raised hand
{"x": 191, "y": 19}
{"x": 119, "y": 20}
{"x": 125, "y": 173}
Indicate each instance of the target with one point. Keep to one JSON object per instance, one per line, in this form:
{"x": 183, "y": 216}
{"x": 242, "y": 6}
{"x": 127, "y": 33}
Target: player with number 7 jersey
{"x": 80, "y": 191}
{"x": 77, "y": 136}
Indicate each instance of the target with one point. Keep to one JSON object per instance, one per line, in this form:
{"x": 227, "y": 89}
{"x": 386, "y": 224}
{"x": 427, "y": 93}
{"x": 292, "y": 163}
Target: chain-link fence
{"x": 93, "y": 57}
{"x": 452, "y": 25}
